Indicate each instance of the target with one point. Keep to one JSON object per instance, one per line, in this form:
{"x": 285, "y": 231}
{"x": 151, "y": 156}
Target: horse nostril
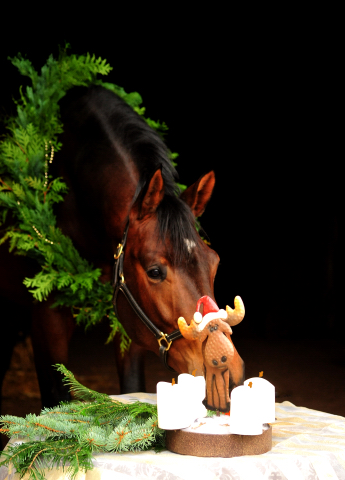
{"x": 214, "y": 362}
{"x": 223, "y": 359}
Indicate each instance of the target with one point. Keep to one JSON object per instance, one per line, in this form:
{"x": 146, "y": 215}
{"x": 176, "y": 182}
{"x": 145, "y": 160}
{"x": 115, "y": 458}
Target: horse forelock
{"x": 177, "y": 224}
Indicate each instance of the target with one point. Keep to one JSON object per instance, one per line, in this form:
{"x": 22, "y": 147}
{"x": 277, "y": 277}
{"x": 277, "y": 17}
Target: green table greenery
{"x": 68, "y": 435}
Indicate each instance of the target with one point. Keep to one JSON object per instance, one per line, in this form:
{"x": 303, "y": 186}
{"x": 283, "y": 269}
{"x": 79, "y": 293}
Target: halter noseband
{"x": 119, "y": 284}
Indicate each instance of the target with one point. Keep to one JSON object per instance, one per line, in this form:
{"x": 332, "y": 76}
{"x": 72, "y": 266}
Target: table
{"x": 307, "y": 445}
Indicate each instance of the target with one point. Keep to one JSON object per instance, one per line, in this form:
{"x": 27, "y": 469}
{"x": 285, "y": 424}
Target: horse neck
{"x": 119, "y": 194}
{"x": 95, "y": 210}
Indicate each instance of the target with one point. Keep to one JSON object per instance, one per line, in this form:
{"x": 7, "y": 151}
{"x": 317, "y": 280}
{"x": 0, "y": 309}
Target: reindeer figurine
{"x": 213, "y": 329}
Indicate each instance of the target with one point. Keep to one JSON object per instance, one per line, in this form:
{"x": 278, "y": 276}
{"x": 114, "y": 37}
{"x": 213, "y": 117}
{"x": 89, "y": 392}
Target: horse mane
{"x": 104, "y": 124}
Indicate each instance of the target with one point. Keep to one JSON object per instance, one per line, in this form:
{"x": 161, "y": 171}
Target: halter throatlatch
{"x": 164, "y": 340}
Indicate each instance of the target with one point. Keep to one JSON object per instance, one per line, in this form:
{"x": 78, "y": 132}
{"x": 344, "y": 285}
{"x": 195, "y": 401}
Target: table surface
{"x": 307, "y": 445}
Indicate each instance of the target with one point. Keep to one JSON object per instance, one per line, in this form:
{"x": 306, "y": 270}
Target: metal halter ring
{"x": 119, "y": 251}
{"x": 164, "y": 337}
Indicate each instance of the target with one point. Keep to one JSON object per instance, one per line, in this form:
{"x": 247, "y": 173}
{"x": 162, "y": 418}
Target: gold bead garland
{"x": 45, "y": 185}
{"x": 46, "y": 160}
{"x": 36, "y": 230}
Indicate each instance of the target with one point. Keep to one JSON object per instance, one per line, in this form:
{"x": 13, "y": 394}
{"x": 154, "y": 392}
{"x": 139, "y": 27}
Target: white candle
{"x": 172, "y": 407}
{"x": 245, "y": 417}
{"x": 265, "y": 397}
{"x": 195, "y": 392}
{"x": 180, "y": 404}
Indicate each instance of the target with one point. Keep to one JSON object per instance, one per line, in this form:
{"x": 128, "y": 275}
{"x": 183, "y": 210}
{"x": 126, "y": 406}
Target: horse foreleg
{"x": 8, "y": 337}
{"x": 50, "y": 333}
{"x": 13, "y": 319}
{"x": 9, "y": 332}
{"x": 130, "y": 367}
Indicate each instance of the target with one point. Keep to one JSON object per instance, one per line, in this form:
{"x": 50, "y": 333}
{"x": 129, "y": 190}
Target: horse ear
{"x": 153, "y": 195}
{"x": 198, "y": 194}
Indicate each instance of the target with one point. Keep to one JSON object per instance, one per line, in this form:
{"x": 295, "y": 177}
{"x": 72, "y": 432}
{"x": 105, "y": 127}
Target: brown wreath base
{"x": 208, "y": 445}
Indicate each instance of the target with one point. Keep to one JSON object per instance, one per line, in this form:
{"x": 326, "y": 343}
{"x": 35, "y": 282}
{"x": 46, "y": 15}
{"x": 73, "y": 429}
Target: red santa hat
{"x": 210, "y": 311}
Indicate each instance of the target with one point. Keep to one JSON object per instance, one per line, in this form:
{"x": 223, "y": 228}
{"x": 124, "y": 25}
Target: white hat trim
{"x": 209, "y": 317}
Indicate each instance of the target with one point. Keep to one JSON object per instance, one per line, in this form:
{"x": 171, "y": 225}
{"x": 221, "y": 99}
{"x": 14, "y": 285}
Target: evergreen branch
{"x": 35, "y": 457}
{"x": 71, "y": 432}
{"x": 78, "y": 390}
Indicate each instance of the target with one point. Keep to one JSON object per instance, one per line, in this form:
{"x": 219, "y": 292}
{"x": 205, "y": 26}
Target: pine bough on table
{"x": 68, "y": 435}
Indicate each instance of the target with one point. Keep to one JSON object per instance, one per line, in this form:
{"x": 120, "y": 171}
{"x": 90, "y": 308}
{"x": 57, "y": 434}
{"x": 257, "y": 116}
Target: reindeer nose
{"x": 214, "y": 362}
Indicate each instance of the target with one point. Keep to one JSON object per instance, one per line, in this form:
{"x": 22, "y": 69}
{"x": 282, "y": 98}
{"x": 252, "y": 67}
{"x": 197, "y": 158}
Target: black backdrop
{"x": 259, "y": 108}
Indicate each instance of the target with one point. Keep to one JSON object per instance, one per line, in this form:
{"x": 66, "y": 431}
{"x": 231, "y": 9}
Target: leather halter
{"x": 120, "y": 285}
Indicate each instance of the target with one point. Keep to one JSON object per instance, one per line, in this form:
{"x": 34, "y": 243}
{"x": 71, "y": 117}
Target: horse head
{"x": 167, "y": 267}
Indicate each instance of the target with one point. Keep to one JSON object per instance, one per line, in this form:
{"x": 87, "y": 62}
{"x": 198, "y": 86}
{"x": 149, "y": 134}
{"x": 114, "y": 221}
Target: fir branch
{"x": 78, "y": 390}
{"x": 70, "y": 433}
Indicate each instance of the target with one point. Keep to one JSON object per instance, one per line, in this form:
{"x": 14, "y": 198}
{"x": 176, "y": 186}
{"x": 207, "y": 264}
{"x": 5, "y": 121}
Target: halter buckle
{"x": 119, "y": 251}
{"x": 164, "y": 337}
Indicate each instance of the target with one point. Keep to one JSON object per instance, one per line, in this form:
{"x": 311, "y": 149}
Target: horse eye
{"x": 154, "y": 273}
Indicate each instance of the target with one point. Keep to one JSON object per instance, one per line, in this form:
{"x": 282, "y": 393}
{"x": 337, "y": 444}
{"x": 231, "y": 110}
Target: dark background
{"x": 256, "y": 100}
{"x": 259, "y": 107}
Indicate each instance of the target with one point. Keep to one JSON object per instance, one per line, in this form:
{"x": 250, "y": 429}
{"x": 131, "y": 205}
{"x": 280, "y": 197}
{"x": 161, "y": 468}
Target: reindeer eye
{"x": 215, "y": 327}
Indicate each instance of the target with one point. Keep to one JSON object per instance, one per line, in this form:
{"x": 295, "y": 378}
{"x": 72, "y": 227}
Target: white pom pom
{"x": 197, "y": 317}
{"x": 222, "y": 314}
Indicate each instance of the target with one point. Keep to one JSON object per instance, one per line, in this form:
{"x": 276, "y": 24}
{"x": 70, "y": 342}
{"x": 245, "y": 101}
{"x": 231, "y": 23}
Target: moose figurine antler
{"x": 213, "y": 329}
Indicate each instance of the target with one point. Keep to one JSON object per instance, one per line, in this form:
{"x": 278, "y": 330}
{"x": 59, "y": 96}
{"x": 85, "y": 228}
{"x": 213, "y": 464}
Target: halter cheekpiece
{"x": 164, "y": 340}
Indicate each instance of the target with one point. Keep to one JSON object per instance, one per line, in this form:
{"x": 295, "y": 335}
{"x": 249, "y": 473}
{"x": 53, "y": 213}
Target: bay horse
{"x": 122, "y": 185}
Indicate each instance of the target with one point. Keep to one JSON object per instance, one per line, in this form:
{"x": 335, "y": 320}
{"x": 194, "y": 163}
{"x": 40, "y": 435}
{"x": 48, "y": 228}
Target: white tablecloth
{"x": 307, "y": 445}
